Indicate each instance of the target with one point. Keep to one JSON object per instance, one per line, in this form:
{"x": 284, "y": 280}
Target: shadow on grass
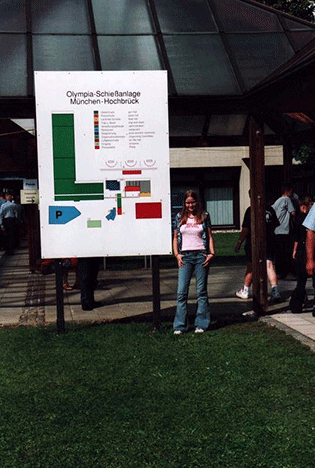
{"x": 222, "y": 315}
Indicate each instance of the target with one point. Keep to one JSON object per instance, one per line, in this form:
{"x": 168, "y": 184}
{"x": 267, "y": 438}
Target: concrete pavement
{"x": 30, "y": 299}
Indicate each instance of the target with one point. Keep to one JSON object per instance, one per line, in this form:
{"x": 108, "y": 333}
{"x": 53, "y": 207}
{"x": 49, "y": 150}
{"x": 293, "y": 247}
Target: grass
{"x": 225, "y": 255}
{"x": 120, "y": 396}
{"x": 224, "y": 246}
{"x": 225, "y": 243}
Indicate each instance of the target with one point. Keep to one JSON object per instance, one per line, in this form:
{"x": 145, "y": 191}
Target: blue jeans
{"x": 193, "y": 263}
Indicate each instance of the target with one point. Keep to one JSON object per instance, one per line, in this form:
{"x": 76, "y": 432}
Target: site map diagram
{"x": 103, "y": 163}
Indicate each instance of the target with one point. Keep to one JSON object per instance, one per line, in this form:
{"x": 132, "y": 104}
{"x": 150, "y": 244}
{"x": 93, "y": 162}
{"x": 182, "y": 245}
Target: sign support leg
{"x": 59, "y": 298}
{"x": 156, "y": 291}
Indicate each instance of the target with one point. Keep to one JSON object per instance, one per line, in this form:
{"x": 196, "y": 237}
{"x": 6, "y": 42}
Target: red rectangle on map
{"x": 148, "y": 210}
{"x": 131, "y": 172}
{"x": 132, "y": 188}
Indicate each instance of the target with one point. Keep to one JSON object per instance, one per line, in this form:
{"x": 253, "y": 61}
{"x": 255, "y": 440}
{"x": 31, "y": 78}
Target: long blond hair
{"x": 199, "y": 212}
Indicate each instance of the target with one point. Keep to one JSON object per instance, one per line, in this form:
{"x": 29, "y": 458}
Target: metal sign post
{"x": 156, "y": 291}
{"x": 61, "y": 327}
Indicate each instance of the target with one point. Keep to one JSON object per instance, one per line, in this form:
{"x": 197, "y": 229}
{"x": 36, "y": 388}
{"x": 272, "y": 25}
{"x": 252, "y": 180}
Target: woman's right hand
{"x": 179, "y": 258}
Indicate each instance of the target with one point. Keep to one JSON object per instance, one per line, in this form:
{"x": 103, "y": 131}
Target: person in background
{"x": 193, "y": 247}
{"x": 296, "y": 204}
{"x": 245, "y": 234}
{"x": 299, "y": 255}
{"x": 88, "y": 271}
{"x": 2, "y": 242}
{"x": 2, "y": 198}
{"x": 20, "y": 220}
{"x": 71, "y": 264}
{"x": 8, "y": 222}
{"x": 284, "y": 210}
{"x": 309, "y": 223}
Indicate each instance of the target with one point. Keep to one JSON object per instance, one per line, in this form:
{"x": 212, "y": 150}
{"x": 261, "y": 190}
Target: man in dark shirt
{"x": 271, "y": 223}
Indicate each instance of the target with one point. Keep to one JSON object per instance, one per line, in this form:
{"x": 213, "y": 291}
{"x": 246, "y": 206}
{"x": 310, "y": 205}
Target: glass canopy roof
{"x": 209, "y": 47}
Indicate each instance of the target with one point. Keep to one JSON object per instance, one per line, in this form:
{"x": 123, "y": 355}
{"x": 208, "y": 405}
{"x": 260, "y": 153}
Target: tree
{"x": 304, "y": 9}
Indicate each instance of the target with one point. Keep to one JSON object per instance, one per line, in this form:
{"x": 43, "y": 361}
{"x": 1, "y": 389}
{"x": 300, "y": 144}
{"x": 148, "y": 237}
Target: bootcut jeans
{"x": 193, "y": 261}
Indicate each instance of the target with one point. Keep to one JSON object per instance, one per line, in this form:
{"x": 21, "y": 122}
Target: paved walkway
{"x": 30, "y": 299}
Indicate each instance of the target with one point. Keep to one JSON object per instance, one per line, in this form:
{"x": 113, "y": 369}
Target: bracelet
{"x": 211, "y": 253}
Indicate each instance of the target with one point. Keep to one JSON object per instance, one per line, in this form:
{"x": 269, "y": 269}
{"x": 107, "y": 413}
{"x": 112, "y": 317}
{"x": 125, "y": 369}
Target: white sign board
{"x": 29, "y": 197}
{"x": 103, "y": 157}
{"x": 30, "y": 184}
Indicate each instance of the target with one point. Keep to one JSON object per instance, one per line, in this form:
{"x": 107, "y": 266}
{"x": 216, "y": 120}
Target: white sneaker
{"x": 242, "y": 294}
{"x": 177, "y": 332}
{"x": 199, "y": 330}
{"x": 250, "y": 314}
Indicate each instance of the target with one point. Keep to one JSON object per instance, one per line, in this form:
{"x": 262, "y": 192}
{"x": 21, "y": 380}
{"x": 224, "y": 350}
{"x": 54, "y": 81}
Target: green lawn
{"x": 224, "y": 246}
{"x": 120, "y": 396}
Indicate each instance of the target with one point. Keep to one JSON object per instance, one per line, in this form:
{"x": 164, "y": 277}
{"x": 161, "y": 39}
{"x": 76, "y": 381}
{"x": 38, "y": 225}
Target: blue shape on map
{"x": 111, "y": 215}
{"x": 62, "y": 214}
{"x": 112, "y": 185}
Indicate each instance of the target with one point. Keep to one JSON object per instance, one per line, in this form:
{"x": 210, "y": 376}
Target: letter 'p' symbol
{"x": 62, "y": 214}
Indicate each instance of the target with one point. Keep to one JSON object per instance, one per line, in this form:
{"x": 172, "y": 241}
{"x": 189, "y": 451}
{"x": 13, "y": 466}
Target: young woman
{"x": 193, "y": 247}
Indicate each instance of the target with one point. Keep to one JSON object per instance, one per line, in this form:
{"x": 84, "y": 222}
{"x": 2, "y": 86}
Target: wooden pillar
{"x": 258, "y": 214}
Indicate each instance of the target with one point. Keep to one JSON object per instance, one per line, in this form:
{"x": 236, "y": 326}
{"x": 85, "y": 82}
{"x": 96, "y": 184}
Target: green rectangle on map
{"x": 63, "y": 142}
{"x": 78, "y": 197}
{"x": 94, "y": 223}
{"x": 64, "y": 164}
{"x": 68, "y": 186}
{"x": 62, "y": 120}
{"x": 64, "y": 168}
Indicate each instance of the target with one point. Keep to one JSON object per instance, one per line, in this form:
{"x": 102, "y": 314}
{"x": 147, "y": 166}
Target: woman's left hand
{"x": 208, "y": 259}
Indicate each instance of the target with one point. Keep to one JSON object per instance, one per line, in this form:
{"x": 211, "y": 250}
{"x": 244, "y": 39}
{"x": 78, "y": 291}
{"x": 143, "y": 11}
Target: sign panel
{"x": 29, "y": 197}
{"x": 30, "y": 184}
{"x": 103, "y": 163}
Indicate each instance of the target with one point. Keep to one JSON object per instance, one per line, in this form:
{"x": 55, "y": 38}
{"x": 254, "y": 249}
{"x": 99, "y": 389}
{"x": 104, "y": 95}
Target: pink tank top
{"x": 191, "y": 235}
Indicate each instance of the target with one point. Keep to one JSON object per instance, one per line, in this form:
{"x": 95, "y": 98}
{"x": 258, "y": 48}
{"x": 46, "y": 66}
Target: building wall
{"x": 225, "y": 157}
